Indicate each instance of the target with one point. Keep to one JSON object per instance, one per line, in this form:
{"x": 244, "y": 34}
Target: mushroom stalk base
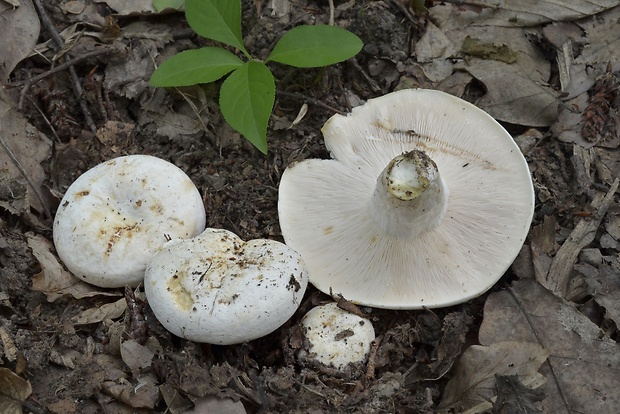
{"x": 410, "y": 197}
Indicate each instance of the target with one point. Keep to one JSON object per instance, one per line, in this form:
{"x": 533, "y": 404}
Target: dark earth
{"x": 80, "y": 365}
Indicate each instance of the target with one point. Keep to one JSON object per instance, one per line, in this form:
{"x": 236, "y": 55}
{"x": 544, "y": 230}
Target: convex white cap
{"x": 336, "y": 337}
{"x": 115, "y": 217}
{"x": 426, "y": 203}
{"x": 218, "y": 289}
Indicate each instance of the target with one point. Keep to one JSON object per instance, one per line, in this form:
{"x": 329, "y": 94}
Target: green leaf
{"x": 315, "y": 46}
{"x": 195, "y": 66}
{"x": 160, "y": 5}
{"x": 246, "y": 101}
{"x": 217, "y": 20}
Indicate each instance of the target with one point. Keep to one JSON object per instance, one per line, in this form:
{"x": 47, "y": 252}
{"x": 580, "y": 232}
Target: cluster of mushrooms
{"x": 425, "y": 203}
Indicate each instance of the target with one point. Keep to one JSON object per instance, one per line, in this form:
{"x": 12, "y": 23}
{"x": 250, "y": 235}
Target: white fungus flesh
{"x": 425, "y": 204}
{"x": 117, "y": 215}
{"x": 336, "y": 337}
{"x": 218, "y": 289}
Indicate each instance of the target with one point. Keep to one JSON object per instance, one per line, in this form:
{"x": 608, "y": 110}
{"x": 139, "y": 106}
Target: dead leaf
{"x": 211, "y": 404}
{"x": 516, "y": 91}
{"x": 54, "y": 280}
{"x": 513, "y": 95}
{"x": 95, "y": 315}
{"x": 136, "y": 356}
{"x": 143, "y": 394}
{"x": 22, "y": 149}
{"x": 473, "y": 378}
{"x": 13, "y": 194}
{"x": 604, "y": 282}
{"x": 176, "y": 403}
{"x": 583, "y": 368}
{"x": 527, "y": 13}
{"x": 13, "y": 391}
{"x": 8, "y": 345}
{"x": 603, "y": 38}
{"x": 125, "y": 8}
{"x": 559, "y": 277}
{"x": 20, "y": 25}
{"x": 514, "y": 397}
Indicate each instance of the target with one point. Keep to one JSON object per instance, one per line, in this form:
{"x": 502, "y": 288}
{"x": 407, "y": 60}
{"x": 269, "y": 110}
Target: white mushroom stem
{"x": 410, "y": 197}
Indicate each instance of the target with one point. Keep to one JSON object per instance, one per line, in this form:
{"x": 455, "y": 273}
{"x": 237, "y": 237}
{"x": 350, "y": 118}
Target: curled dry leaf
{"x": 54, "y": 280}
{"x": 97, "y": 314}
{"x": 20, "y": 23}
{"x": 136, "y": 356}
{"x": 582, "y": 369}
{"x": 22, "y": 154}
{"x": 143, "y": 394}
{"x": 13, "y": 391}
{"x": 473, "y": 382}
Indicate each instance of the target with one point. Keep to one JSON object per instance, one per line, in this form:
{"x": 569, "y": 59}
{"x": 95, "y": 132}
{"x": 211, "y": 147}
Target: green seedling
{"x": 247, "y": 95}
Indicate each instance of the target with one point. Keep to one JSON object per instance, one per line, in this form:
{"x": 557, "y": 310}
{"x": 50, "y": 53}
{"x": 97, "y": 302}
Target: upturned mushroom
{"x": 335, "y": 337}
{"x": 218, "y": 289}
{"x": 426, "y": 203}
{"x": 115, "y": 217}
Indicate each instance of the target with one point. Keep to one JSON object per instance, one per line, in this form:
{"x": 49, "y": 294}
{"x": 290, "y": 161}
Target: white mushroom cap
{"x": 426, "y": 203}
{"x": 218, "y": 289}
{"x": 337, "y": 337}
{"x": 116, "y": 216}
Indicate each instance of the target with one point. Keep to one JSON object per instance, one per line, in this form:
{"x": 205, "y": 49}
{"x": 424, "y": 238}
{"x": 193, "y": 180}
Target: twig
{"x": 67, "y": 64}
{"x": 310, "y": 100}
{"x": 331, "y": 12}
{"x": 373, "y": 85}
{"x": 77, "y": 87}
{"x": 71, "y": 62}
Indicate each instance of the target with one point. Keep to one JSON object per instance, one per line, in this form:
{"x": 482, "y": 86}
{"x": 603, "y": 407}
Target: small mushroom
{"x": 218, "y": 289}
{"x": 426, "y": 203}
{"x": 115, "y": 217}
{"x": 336, "y": 337}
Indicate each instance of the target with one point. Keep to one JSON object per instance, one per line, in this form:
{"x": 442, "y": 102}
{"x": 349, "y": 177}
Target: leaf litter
{"x": 548, "y": 71}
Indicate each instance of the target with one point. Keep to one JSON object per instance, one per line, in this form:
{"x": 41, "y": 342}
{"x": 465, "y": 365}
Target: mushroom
{"x": 336, "y": 337}
{"x": 218, "y": 289}
{"x": 426, "y": 203}
{"x": 115, "y": 217}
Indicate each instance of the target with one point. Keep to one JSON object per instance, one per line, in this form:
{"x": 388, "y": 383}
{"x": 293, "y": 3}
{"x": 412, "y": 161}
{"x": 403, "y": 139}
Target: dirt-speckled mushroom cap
{"x": 218, "y": 289}
{"x": 328, "y": 208}
{"x": 116, "y": 216}
{"x": 336, "y": 337}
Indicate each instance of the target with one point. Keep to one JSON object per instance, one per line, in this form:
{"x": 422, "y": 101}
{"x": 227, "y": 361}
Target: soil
{"x": 89, "y": 367}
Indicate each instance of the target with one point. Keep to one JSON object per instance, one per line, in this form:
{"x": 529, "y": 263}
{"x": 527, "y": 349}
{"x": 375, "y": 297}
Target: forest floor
{"x": 552, "y": 320}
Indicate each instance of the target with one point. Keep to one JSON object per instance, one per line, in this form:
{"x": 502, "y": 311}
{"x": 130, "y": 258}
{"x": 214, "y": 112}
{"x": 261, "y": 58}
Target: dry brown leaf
{"x": 22, "y": 149}
{"x": 527, "y": 13}
{"x": 473, "y": 380}
{"x": 13, "y": 193}
{"x": 516, "y": 92}
{"x": 176, "y": 403}
{"x": 144, "y": 394}
{"x": 124, "y": 8}
{"x": 602, "y": 39}
{"x": 13, "y": 391}
{"x": 583, "y": 368}
{"x": 136, "y": 356}
{"x": 513, "y": 95}
{"x": 95, "y": 315}
{"x": 54, "y": 280}
{"x": 211, "y": 404}
{"x": 20, "y": 25}
{"x": 559, "y": 277}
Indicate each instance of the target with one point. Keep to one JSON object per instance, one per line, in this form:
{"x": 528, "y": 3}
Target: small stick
{"x": 71, "y": 62}
{"x": 310, "y": 100}
{"x": 77, "y": 88}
